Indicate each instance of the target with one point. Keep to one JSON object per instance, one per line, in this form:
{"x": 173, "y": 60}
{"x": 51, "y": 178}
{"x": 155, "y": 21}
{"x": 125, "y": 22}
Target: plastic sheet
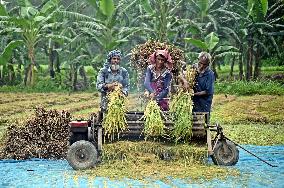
{"x": 57, "y": 173}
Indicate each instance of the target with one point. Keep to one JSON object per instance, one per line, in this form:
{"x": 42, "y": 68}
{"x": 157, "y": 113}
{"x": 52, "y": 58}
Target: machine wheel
{"x": 74, "y": 137}
{"x": 82, "y": 155}
{"x": 225, "y": 153}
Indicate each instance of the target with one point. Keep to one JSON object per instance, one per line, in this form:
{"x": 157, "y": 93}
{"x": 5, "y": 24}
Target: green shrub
{"x": 274, "y": 61}
{"x": 250, "y": 88}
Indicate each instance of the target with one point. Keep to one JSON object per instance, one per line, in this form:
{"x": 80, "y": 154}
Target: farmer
{"x": 110, "y": 76}
{"x": 158, "y": 78}
{"x": 204, "y": 86}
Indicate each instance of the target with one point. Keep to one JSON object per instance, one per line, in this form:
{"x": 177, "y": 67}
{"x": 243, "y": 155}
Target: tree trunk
{"x": 214, "y": 69}
{"x": 249, "y": 59}
{"x": 241, "y": 70}
{"x": 84, "y": 76}
{"x": 257, "y": 64}
{"x": 74, "y": 77}
{"x": 51, "y": 61}
{"x": 11, "y": 73}
{"x": 232, "y": 67}
{"x": 27, "y": 73}
{"x": 57, "y": 60}
{"x": 30, "y": 74}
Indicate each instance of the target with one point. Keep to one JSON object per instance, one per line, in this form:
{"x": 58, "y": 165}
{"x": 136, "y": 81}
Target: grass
{"x": 256, "y": 119}
{"x": 255, "y": 134}
{"x": 257, "y": 109}
{"x": 249, "y": 88}
{"x": 225, "y": 70}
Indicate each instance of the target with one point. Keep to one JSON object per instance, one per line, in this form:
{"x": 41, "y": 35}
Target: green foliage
{"x": 250, "y": 88}
{"x": 274, "y": 61}
{"x": 7, "y": 53}
{"x": 107, "y": 7}
{"x": 197, "y": 43}
{"x": 147, "y": 7}
{"x": 211, "y": 40}
{"x": 2, "y": 10}
{"x": 255, "y": 134}
{"x": 44, "y": 85}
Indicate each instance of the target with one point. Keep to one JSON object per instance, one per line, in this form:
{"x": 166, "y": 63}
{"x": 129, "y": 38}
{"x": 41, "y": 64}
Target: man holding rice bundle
{"x": 204, "y": 87}
{"x": 111, "y": 76}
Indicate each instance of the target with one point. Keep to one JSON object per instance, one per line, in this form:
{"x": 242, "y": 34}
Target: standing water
{"x": 57, "y": 173}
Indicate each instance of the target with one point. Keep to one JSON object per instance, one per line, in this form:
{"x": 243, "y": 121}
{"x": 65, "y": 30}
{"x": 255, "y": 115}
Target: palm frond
{"x": 211, "y": 4}
{"x": 263, "y": 46}
{"x": 230, "y": 53}
{"x": 174, "y": 9}
{"x": 221, "y": 11}
{"x": 274, "y": 44}
{"x": 91, "y": 25}
{"x": 279, "y": 33}
{"x": 214, "y": 22}
{"x": 240, "y": 7}
{"x": 76, "y": 16}
{"x": 273, "y": 21}
{"x": 231, "y": 31}
{"x": 226, "y": 48}
{"x": 274, "y": 10}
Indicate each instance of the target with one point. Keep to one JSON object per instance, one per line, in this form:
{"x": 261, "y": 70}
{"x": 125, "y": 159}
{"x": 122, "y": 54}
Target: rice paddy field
{"x": 241, "y": 116}
{"x": 249, "y": 120}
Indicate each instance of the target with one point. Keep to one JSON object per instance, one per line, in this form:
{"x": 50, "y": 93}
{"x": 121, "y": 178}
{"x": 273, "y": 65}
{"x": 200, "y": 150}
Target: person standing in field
{"x": 158, "y": 78}
{"x": 110, "y": 76}
{"x": 204, "y": 85}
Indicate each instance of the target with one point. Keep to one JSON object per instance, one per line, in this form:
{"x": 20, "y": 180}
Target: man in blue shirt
{"x": 110, "y": 76}
{"x": 204, "y": 87}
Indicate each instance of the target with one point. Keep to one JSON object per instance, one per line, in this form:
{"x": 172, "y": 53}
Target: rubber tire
{"x": 74, "y": 137}
{"x": 219, "y": 159}
{"x": 89, "y": 158}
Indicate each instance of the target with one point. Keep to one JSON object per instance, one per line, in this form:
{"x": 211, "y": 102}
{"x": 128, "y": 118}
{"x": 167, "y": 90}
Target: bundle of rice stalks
{"x": 141, "y": 53}
{"x": 115, "y": 122}
{"x": 154, "y": 125}
{"x": 181, "y": 110}
{"x": 44, "y": 136}
{"x": 191, "y": 77}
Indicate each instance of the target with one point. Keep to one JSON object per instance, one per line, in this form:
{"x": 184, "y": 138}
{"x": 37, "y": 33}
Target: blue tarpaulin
{"x": 57, "y": 173}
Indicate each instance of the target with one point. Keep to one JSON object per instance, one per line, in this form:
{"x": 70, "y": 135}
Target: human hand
{"x": 146, "y": 94}
{"x": 110, "y": 86}
{"x": 152, "y": 95}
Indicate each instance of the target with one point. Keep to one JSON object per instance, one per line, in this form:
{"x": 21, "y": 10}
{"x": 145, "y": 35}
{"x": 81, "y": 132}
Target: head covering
{"x": 110, "y": 55}
{"x": 165, "y": 54}
{"x": 113, "y": 53}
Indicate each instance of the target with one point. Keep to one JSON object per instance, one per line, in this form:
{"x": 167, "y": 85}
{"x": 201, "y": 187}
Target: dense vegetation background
{"x": 59, "y": 45}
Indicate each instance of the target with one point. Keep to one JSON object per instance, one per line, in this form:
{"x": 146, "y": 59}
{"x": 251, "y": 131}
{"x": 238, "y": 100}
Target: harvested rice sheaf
{"x": 115, "y": 121}
{"x": 181, "y": 110}
{"x": 154, "y": 125}
{"x": 43, "y": 136}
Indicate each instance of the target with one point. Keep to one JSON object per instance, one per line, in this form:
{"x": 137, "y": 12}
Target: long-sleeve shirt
{"x": 204, "y": 82}
{"x": 162, "y": 80}
{"x": 106, "y": 76}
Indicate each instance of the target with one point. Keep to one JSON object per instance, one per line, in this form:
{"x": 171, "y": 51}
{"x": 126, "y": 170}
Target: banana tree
{"x": 114, "y": 30}
{"x": 262, "y": 29}
{"x": 212, "y": 44}
{"x": 31, "y": 25}
{"x": 160, "y": 19}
